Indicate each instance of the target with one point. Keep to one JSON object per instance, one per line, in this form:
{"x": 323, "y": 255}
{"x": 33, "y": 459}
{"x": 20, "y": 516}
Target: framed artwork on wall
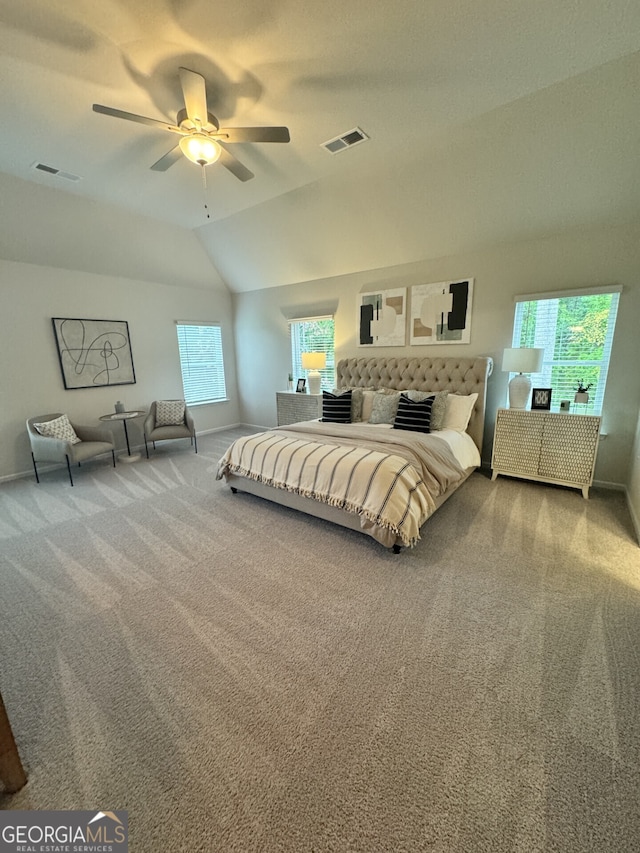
{"x": 93, "y": 353}
{"x": 382, "y": 318}
{"x": 441, "y": 313}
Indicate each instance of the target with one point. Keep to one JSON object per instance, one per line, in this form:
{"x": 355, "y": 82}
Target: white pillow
{"x": 169, "y": 412}
{"x": 58, "y": 428}
{"x": 367, "y": 403}
{"x": 458, "y": 411}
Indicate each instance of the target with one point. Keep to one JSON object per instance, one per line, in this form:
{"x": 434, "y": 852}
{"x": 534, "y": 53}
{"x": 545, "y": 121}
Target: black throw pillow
{"x": 336, "y": 408}
{"x": 414, "y": 416}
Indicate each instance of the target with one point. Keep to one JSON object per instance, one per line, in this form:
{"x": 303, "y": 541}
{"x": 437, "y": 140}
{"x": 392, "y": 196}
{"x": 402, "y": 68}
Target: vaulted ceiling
{"x": 487, "y": 121}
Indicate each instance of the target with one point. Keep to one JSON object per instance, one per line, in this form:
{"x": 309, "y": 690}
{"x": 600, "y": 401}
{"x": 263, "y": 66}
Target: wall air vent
{"x": 51, "y": 170}
{"x": 345, "y": 140}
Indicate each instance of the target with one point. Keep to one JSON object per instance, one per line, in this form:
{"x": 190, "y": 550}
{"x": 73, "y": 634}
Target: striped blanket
{"x": 392, "y": 486}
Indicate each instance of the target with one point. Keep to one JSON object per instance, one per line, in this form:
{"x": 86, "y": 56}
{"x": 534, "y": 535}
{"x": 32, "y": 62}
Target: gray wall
{"x": 53, "y": 227}
{"x": 634, "y": 483}
{"x": 31, "y": 381}
{"x": 568, "y": 260}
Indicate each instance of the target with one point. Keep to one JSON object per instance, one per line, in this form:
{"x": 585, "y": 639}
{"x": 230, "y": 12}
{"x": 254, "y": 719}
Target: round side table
{"x": 124, "y": 417}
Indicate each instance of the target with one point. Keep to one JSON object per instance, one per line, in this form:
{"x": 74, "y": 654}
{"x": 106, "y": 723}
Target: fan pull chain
{"x": 204, "y": 189}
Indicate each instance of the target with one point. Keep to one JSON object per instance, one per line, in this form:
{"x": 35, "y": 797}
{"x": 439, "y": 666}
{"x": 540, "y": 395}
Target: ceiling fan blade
{"x": 152, "y": 122}
{"x": 195, "y": 95}
{"x": 234, "y": 166}
{"x": 255, "y": 134}
{"x": 167, "y": 160}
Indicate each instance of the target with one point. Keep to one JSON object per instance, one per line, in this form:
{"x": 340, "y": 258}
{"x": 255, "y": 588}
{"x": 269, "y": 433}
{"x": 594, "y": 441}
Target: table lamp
{"x": 313, "y": 363}
{"x": 521, "y": 360}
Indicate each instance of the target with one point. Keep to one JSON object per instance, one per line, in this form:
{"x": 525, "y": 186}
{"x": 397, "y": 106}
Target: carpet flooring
{"x": 241, "y": 677}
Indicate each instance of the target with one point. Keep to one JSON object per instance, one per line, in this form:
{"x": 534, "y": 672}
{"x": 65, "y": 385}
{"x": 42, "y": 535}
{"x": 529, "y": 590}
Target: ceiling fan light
{"x": 200, "y": 149}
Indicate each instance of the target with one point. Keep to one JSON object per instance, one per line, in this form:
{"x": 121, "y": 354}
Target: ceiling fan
{"x": 202, "y": 139}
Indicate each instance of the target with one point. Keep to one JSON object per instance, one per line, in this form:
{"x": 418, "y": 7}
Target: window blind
{"x": 313, "y": 334}
{"x": 575, "y": 329}
{"x": 201, "y": 362}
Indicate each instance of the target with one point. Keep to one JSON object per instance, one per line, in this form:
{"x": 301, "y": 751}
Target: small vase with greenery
{"x": 290, "y": 385}
{"x": 582, "y": 392}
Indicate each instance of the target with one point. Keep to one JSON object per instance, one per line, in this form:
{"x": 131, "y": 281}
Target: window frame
{"x": 217, "y": 387}
{"x": 297, "y": 371}
{"x": 543, "y": 333}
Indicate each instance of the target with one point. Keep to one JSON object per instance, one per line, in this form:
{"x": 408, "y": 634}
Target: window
{"x": 201, "y": 361}
{"x": 313, "y": 334}
{"x": 575, "y": 329}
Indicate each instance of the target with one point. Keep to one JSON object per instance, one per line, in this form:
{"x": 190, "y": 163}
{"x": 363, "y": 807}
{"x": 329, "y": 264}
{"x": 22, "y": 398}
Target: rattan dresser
{"x": 293, "y": 407}
{"x": 551, "y": 447}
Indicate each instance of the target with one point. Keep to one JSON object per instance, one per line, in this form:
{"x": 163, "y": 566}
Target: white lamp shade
{"x": 522, "y": 360}
{"x": 314, "y": 362}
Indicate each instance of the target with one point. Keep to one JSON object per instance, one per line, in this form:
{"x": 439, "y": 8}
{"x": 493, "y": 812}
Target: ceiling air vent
{"x": 51, "y": 170}
{"x": 346, "y": 140}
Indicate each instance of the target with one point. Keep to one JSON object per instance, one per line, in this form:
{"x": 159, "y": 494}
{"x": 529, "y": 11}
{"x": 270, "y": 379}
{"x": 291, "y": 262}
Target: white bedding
{"x": 460, "y": 443}
{"x": 462, "y": 446}
{"x": 390, "y": 478}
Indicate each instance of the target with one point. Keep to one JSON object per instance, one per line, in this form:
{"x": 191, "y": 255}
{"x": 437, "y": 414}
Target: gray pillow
{"x": 357, "y": 399}
{"x": 385, "y": 407}
{"x": 439, "y": 407}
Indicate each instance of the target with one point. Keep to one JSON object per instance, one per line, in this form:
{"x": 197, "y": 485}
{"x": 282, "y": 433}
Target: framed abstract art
{"x": 93, "y": 353}
{"x": 382, "y": 318}
{"x": 441, "y": 313}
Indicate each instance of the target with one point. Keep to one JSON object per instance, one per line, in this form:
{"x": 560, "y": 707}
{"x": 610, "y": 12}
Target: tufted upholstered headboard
{"x": 458, "y": 375}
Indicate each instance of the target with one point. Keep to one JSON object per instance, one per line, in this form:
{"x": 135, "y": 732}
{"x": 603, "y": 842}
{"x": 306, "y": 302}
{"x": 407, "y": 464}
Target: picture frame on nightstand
{"x": 300, "y": 388}
{"x": 541, "y": 398}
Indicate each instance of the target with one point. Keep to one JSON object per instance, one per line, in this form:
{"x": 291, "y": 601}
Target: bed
{"x": 382, "y": 481}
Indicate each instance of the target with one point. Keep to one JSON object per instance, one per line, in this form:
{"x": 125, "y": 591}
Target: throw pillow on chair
{"x": 58, "y": 428}
{"x": 169, "y": 412}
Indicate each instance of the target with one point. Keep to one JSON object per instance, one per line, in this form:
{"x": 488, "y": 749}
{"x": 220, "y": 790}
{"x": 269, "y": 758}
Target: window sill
{"x": 208, "y": 402}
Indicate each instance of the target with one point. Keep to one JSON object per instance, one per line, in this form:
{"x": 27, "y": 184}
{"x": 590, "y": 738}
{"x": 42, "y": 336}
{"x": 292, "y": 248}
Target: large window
{"x": 575, "y": 329}
{"x": 313, "y": 334}
{"x": 200, "y": 346}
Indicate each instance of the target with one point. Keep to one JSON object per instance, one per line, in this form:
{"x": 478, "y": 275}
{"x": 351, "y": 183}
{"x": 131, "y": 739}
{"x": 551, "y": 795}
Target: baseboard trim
{"x": 20, "y": 475}
{"x": 44, "y": 467}
{"x": 218, "y": 429}
{"x": 233, "y": 426}
{"x": 139, "y": 448}
{"x": 605, "y": 484}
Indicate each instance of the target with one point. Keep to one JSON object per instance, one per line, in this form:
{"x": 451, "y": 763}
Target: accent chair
{"x": 168, "y": 419}
{"x": 66, "y": 442}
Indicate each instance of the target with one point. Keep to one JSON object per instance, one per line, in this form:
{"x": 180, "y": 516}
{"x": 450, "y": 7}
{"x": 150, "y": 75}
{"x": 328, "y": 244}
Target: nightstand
{"x": 293, "y": 407}
{"x": 550, "y": 447}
